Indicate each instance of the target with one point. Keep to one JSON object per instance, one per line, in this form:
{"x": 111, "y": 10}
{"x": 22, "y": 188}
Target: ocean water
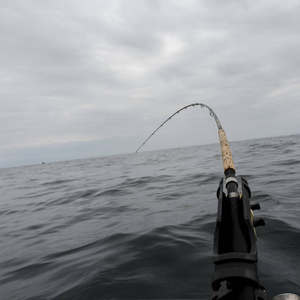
{"x": 140, "y": 226}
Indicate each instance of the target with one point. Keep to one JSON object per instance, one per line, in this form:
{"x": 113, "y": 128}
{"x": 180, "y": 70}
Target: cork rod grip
{"x": 226, "y": 152}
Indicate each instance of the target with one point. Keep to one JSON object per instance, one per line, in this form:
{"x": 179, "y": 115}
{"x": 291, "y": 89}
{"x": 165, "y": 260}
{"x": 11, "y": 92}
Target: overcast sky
{"x": 91, "y": 78}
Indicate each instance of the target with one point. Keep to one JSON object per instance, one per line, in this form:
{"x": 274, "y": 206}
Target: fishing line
{"x": 226, "y": 152}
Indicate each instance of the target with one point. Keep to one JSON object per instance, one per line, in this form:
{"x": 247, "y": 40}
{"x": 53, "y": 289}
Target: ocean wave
{"x": 141, "y": 226}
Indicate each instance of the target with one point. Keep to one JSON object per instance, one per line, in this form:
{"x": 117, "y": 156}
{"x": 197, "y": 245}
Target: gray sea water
{"x": 140, "y": 226}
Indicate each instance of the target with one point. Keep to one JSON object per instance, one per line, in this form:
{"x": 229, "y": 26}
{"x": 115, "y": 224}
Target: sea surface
{"x": 140, "y": 226}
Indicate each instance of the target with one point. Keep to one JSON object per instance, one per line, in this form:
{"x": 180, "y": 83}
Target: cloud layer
{"x": 74, "y": 71}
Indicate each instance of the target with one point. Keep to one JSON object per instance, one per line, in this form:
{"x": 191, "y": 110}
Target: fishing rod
{"x": 226, "y": 152}
{"x": 234, "y": 252}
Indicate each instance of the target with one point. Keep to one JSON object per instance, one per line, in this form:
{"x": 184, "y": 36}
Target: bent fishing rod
{"x": 226, "y": 152}
{"x": 234, "y": 252}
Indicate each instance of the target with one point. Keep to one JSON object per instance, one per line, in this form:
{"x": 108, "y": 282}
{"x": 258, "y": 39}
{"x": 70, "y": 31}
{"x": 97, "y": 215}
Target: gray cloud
{"x": 74, "y": 71}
